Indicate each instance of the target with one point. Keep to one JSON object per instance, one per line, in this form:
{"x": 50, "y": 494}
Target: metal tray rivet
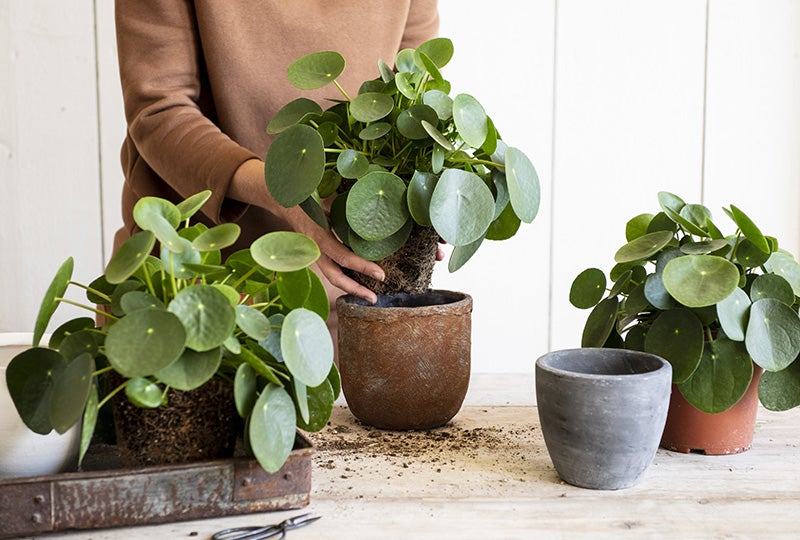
{"x": 38, "y": 499}
{"x": 287, "y": 475}
{"x": 36, "y": 517}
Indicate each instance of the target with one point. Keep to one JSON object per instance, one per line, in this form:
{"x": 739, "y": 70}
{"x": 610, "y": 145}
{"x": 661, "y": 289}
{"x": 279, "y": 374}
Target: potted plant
{"x": 719, "y": 307}
{"x": 403, "y": 166}
{"x": 180, "y": 330}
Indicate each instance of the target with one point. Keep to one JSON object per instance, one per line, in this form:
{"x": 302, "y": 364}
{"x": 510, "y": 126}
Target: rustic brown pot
{"x": 198, "y": 425}
{"x": 690, "y": 430}
{"x": 405, "y": 362}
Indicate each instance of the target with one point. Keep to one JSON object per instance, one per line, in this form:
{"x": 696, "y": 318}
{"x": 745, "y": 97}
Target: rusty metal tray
{"x": 105, "y": 495}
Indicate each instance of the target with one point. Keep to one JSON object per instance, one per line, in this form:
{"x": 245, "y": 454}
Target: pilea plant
{"x": 410, "y": 165}
{"x": 709, "y": 303}
{"x": 255, "y": 320}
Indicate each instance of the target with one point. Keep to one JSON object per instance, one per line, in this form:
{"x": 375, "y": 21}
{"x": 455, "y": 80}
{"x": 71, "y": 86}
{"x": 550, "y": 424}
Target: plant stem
{"x": 111, "y": 394}
{"x": 93, "y": 291}
{"x": 88, "y": 308}
{"x": 336, "y": 83}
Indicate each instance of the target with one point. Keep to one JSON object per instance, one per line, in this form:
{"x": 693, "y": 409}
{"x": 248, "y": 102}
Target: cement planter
{"x": 405, "y": 362}
{"x": 602, "y": 413}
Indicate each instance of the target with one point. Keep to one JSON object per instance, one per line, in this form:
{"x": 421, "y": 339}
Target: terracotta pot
{"x": 198, "y": 425}
{"x": 690, "y": 430}
{"x": 405, "y": 362}
{"x": 602, "y": 412}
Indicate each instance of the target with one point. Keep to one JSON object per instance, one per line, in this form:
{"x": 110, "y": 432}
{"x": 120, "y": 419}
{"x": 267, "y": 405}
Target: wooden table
{"x": 488, "y": 475}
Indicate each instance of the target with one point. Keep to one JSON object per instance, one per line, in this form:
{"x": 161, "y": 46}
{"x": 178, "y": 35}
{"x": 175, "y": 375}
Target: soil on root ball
{"x": 409, "y": 269}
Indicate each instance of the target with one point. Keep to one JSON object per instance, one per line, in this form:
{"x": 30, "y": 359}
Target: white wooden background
{"x": 614, "y": 100}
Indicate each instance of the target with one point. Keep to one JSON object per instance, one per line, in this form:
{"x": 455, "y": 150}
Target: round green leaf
{"x": 732, "y": 313}
{"x": 317, "y": 300}
{"x": 721, "y": 378}
{"x": 319, "y": 402}
{"x": 315, "y": 70}
{"x": 504, "y": 226}
{"x": 233, "y": 296}
{"x": 523, "y": 184}
{"x": 637, "y": 226}
{"x": 88, "y": 422}
{"x": 30, "y": 377}
{"x": 661, "y": 222}
{"x": 218, "y": 237}
{"x": 698, "y": 215}
{"x": 600, "y": 323}
{"x": 292, "y": 113}
{"x": 635, "y": 338}
{"x": 643, "y": 247}
{"x": 462, "y": 207}
{"x": 70, "y": 392}
{"x": 376, "y": 205}
{"x": 387, "y": 73}
{"x": 471, "y": 120}
{"x": 301, "y": 401}
{"x": 461, "y": 254}
{"x": 307, "y": 347}
{"x": 587, "y": 288}
{"x": 190, "y": 206}
{"x": 418, "y": 195}
{"x": 749, "y": 255}
{"x": 71, "y": 326}
{"x": 772, "y": 286}
{"x": 206, "y": 315}
{"x": 406, "y": 83}
{"x": 773, "y": 334}
{"x": 120, "y": 291}
{"x": 331, "y": 180}
{"x": 677, "y": 336}
{"x": 784, "y": 265}
{"x": 374, "y": 131}
{"x": 245, "y": 388}
{"x": 439, "y": 50}
{"x": 703, "y": 248}
{"x": 174, "y": 261}
{"x": 780, "y": 390}
{"x": 56, "y": 289}
{"x": 273, "y": 342}
{"x": 284, "y": 251}
{"x": 700, "y": 280}
{"x": 294, "y": 165}
{"x": 439, "y": 102}
{"x": 144, "y": 393}
{"x": 437, "y": 136}
{"x": 371, "y": 106}
{"x": 668, "y": 201}
{"x": 352, "y": 164}
{"x": 130, "y": 256}
{"x": 749, "y": 229}
{"x": 144, "y": 342}
{"x": 656, "y": 294}
{"x": 192, "y": 369}
{"x": 380, "y": 249}
{"x": 161, "y": 217}
{"x": 134, "y": 300}
{"x": 405, "y": 64}
{"x": 253, "y": 322}
{"x": 313, "y": 209}
{"x": 294, "y": 287}
{"x": 272, "y": 427}
{"x": 409, "y": 121}
{"x": 79, "y": 343}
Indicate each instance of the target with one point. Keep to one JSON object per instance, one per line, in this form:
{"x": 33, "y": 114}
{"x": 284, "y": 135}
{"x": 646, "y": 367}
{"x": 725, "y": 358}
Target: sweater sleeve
{"x": 422, "y": 23}
{"x": 162, "y": 73}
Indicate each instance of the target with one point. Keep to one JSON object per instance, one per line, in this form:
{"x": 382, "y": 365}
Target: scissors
{"x": 270, "y": 531}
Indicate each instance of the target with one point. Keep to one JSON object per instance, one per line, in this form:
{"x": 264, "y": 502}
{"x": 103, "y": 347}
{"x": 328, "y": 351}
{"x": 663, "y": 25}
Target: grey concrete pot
{"x": 602, "y": 413}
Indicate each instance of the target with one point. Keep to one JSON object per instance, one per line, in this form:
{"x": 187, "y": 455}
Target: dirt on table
{"x": 474, "y": 452}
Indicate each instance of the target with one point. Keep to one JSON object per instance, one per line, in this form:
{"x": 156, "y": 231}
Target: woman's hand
{"x": 248, "y": 186}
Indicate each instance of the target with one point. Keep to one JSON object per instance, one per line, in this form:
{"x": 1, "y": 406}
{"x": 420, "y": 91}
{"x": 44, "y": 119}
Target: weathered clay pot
{"x": 602, "y": 412}
{"x": 198, "y": 425}
{"x": 405, "y": 362}
{"x": 690, "y": 430}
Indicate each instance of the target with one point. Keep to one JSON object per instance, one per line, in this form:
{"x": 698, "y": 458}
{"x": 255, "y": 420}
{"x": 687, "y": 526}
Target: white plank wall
{"x": 613, "y": 100}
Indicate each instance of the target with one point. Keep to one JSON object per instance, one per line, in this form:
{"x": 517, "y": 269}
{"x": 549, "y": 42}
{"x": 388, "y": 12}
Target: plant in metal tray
{"x": 712, "y": 304}
{"x": 255, "y": 320}
{"x": 410, "y": 165}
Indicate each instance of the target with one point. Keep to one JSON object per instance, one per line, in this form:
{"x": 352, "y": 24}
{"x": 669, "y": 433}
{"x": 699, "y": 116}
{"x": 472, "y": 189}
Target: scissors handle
{"x": 250, "y": 533}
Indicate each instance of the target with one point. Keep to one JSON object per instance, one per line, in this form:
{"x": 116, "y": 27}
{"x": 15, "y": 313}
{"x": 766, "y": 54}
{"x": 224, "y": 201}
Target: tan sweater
{"x": 201, "y": 80}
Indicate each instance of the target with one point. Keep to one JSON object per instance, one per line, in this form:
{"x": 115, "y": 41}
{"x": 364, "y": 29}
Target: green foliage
{"x": 178, "y": 321}
{"x": 712, "y": 305}
{"x": 409, "y": 152}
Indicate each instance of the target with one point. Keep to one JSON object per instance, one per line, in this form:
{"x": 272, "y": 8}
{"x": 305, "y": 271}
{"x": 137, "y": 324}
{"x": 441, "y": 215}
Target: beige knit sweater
{"x": 201, "y": 80}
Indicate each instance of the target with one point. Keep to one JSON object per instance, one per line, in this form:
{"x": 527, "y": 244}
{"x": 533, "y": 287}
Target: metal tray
{"x": 105, "y": 495}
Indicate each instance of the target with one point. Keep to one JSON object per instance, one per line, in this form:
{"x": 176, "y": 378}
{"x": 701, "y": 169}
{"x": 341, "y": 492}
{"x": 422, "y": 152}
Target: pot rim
{"x": 461, "y": 303}
{"x": 543, "y": 363}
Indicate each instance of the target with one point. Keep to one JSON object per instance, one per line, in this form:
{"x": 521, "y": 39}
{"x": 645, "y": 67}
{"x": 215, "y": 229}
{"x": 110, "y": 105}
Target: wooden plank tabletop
{"x": 488, "y": 475}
